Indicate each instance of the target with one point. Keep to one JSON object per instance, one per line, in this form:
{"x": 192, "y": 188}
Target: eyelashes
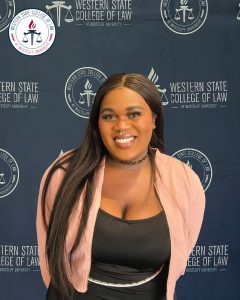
{"x": 131, "y": 115}
{"x": 108, "y": 117}
{"x": 134, "y": 114}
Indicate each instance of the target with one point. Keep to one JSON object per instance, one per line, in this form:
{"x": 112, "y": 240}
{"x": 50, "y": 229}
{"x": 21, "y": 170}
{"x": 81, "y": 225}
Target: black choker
{"x": 129, "y": 162}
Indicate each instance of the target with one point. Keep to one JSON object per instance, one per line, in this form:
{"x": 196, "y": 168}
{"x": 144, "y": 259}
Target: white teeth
{"x": 123, "y": 141}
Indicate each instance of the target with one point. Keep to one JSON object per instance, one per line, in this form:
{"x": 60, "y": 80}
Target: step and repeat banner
{"x": 53, "y": 57}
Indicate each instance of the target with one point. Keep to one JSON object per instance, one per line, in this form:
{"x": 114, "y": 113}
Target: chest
{"x": 140, "y": 244}
{"x": 130, "y": 196}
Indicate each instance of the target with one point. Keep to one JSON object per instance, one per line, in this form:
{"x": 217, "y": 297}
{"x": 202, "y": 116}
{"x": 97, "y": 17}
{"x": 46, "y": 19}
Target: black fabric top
{"x": 126, "y": 251}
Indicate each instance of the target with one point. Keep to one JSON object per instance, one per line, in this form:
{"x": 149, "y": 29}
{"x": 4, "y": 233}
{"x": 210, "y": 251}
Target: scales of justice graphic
{"x": 185, "y": 11}
{"x": 87, "y": 96}
{"x": 32, "y": 32}
{"x": 59, "y": 5}
{"x": 154, "y": 78}
{"x": 2, "y": 180}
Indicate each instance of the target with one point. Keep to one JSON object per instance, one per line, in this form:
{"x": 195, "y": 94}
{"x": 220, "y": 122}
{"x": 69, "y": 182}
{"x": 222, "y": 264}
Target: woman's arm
{"x": 41, "y": 228}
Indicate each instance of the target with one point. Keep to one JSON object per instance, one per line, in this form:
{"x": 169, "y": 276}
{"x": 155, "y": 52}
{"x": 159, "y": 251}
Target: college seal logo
{"x": 7, "y": 12}
{"x": 184, "y": 16}
{"x": 9, "y": 173}
{"x": 32, "y": 32}
{"x": 81, "y": 88}
{"x": 199, "y": 162}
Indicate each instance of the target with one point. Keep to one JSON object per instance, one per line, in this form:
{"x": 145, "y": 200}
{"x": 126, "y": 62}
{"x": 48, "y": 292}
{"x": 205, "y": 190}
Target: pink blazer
{"x": 183, "y": 201}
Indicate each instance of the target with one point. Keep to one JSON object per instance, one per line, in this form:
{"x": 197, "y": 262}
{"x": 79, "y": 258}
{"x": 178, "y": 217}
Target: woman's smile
{"x": 124, "y": 141}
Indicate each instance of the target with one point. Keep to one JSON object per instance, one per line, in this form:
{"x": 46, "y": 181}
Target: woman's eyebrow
{"x": 134, "y": 107}
{"x": 109, "y": 109}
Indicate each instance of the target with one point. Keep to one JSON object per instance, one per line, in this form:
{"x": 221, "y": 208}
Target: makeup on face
{"x": 125, "y": 124}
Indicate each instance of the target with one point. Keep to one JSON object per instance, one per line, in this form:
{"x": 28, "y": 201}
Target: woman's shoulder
{"x": 182, "y": 183}
{"x": 59, "y": 166}
{"x": 62, "y": 161}
{"x": 54, "y": 174}
{"x": 169, "y": 163}
{"x": 173, "y": 167}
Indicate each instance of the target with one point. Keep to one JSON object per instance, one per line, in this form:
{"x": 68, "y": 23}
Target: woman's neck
{"x": 128, "y": 165}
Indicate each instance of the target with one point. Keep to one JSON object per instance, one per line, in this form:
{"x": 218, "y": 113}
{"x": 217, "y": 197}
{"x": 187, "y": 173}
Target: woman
{"x": 117, "y": 218}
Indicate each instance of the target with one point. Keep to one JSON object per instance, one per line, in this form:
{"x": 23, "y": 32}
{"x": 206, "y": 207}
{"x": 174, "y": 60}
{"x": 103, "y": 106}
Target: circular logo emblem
{"x": 184, "y": 16}
{"x": 199, "y": 162}
{"x": 9, "y": 173}
{"x": 32, "y": 32}
{"x": 81, "y": 88}
{"x": 7, "y": 12}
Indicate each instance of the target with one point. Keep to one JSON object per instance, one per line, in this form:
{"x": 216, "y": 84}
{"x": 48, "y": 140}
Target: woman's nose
{"x": 122, "y": 124}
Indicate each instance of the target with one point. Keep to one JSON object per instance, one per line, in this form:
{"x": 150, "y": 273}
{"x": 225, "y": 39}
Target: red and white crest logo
{"x": 32, "y": 32}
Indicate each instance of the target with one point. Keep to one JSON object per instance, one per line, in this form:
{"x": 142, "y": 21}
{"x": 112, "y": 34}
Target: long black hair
{"x": 79, "y": 166}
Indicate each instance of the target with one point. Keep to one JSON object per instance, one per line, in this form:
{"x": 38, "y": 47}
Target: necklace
{"x": 129, "y": 162}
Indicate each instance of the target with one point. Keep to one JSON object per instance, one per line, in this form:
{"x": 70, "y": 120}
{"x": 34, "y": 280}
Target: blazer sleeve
{"x": 40, "y": 226}
{"x": 196, "y": 208}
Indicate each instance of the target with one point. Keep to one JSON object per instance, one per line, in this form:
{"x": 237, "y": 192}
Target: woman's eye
{"x": 108, "y": 117}
{"x": 134, "y": 114}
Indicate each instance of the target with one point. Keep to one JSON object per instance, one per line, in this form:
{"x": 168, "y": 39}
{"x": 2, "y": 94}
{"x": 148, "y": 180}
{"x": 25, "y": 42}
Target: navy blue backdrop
{"x": 188, "y": 48}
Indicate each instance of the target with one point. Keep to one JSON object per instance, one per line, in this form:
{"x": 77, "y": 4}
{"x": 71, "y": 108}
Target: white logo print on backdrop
{"x": 97, "y": 13}
{"x": 9, "y": 173}
{"x": 184, "y": 16}
{"x": 7, "y": 12}
{"x": 193, "y": 94}
{"x": 199, "y": 162}
{"x": 238, "y": 15}
{"x": 60, "y": 9}
{"x": 19, "y": 94}
{"x": 153, "y": 76}
{"x": 80, "y": 89}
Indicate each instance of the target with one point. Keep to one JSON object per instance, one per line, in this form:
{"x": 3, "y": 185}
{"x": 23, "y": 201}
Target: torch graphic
{"x": 186, "y": 11}
{"x": 88, "y": 94}
{"x": 32, "y": 33}
{"x": 153, "y": 76}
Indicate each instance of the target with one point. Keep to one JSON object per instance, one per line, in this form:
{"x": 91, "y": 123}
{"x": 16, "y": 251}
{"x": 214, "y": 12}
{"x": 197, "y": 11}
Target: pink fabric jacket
{"x": 183, "y": 201}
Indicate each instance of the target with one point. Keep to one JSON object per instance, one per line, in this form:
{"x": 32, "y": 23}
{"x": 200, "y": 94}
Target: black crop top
{"x": 125, "y": 251}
